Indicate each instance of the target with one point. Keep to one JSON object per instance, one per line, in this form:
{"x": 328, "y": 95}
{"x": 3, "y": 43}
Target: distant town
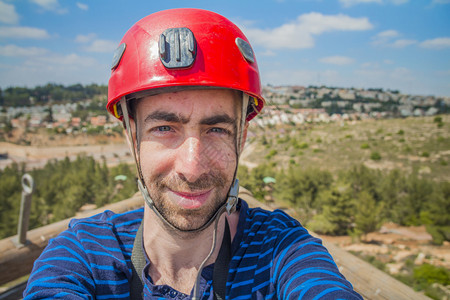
{"x": 298, "y": 104}
{"x": 285, "y": 104}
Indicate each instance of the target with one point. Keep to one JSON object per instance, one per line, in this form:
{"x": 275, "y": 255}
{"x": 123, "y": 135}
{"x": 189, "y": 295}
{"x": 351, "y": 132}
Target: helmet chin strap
{"x": 232, "y": 199}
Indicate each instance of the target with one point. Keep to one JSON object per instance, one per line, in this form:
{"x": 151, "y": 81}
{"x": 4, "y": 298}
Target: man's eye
{"x": 163, "y": 128}
{"x": 220, "y": 130}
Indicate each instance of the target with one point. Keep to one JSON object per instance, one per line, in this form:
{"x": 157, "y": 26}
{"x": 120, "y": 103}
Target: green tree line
{"x": 355, "y": 201}
{"x": 61, "y": 189}
{"x": 39, "y": 95}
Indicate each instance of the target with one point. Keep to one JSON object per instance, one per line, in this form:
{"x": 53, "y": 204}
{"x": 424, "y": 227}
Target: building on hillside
{"x": 347, "y": 94}
{"x": 98, "y": 120}
{"x": 75, "y": 122}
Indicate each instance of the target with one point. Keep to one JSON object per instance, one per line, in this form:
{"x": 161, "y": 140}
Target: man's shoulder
{"x": 270, "y": 226}
{"x": 274, "y": 219}
{"x": 109, "y": 220}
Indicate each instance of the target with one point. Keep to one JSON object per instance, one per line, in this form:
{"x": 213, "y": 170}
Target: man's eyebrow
{"x": 161, "y": 115}
{"x": 224, "y": 118}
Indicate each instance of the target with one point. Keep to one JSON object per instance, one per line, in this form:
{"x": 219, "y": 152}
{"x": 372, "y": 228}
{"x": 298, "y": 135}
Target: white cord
{"x": 195, "y": 294}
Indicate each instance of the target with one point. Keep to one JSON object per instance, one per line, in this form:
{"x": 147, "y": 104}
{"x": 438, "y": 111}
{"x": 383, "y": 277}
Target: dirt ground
{"x": 394, "y": 245}
{"x": 44, "y": 147}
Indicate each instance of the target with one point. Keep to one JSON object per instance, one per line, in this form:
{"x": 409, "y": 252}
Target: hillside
{"x": 411, "y": 144}
{"x": 377, "y": 188}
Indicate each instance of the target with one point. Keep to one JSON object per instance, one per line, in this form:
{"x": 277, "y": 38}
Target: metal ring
{"x": 27, "y": 184}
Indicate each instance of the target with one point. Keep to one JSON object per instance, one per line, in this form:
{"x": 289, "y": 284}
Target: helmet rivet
{"x": 118, "y": 55}
{"x": 245, "y": 49}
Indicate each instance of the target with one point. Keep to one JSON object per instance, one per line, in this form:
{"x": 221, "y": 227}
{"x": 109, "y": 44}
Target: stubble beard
{"x": 187, "y": 219}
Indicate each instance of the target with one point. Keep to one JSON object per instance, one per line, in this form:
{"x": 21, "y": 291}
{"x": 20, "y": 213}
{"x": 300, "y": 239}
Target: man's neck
{"x": 175, "y": 258}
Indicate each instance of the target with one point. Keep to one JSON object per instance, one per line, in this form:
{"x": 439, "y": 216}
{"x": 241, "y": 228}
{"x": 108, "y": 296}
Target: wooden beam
{"x": 16, "y": 262}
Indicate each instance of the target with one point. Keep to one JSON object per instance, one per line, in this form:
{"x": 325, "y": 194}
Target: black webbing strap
{"x": 137, "y": 264}
{"x": 220, "y": 273}
{"x": 221, "y": 265}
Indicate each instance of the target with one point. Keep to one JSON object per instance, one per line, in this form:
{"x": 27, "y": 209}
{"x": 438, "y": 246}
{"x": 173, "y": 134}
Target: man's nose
{"x": 192, "y": 160}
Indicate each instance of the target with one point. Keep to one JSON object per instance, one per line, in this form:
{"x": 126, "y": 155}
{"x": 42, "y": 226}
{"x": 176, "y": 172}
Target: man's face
{"x": 187, "y": 152}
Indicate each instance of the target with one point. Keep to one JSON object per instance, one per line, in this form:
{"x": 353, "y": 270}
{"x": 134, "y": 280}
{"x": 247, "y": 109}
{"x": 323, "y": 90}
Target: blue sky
{"x": 390, "y": 44}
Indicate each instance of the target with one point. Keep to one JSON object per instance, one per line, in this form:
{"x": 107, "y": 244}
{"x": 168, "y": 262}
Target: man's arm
{"x": 62, "y": 271}
{"x": 303, "y": 269}
{"x": 90, "y": 260}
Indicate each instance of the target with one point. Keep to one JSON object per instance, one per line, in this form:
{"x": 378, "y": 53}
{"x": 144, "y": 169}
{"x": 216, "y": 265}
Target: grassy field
{"x": 419, "y": 144}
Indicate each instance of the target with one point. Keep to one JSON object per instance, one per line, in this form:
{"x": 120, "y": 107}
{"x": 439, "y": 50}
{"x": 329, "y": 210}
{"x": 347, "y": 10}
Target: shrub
{"x": 375, "y": 156}
{"x": 425, "y": 154}
{"x": 303, "y": 145}
{"x": 437, "y": 119}
{"x": 427, "y": 274}
{"x": 271, "y": 154}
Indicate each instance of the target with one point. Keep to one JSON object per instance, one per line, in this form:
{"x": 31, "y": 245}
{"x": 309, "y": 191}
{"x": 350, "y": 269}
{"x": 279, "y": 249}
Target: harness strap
{"x": 221, "y": 265}
{"x": 137, "y": 265}
{"x": 220, "y": 273}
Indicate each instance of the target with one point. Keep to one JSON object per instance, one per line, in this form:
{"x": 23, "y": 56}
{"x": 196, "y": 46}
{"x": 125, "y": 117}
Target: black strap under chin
{"x": 220, "y": 273}
{"x": 137, "y": 265}
{"x": 221, "y": 265}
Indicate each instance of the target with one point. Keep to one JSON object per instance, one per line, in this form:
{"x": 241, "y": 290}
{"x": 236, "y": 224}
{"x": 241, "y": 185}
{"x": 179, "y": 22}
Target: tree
{"x": 301, "y": 187}
{"x": 368, "y": 215}
{"x": 337, "y": 212}
{"x": 49, "y": 117}
{"x": 436, "y": 213}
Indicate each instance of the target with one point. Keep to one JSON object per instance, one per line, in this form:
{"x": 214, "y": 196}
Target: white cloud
{"x": 370, "y": 64}
{"x": 53, "y": 67}
{"x": 300, "y": 33}
{"x": 267, "y": 53}
{"x": 85, "y": 38}
{"x": 302, "y": 77}
{"x": 399, "y": 2}
{"x": 50, "y": 5}
{"x": 437, "y": 43}
{"x": 337, "y": 60}
{"x": 396, "y": 78}
{"x": 22, "y": 32}
{"x": 440, "y": 2}
{"x": 101, "y": 46}
{"x": 402, "y": 43}
{"x": 92, "y": 44}
{"x": 388, "y": 62}
{"x": 402, "y": 74}
{"x": 8, "y": 13}
{"x": 82, "y": 6}
{"x": 388, "y": 34}
{"x": 73, "y": 60}
{"x": 349, "y": 3}
{"x": 386, "y": 39}
{"x": 13, "y": 50}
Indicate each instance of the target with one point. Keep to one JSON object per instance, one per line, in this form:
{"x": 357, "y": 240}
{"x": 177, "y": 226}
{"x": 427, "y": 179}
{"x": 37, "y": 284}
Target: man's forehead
{"x": 191, "y": 104}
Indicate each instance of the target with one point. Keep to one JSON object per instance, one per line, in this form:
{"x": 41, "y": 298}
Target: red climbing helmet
{"x": 179, "y": 49}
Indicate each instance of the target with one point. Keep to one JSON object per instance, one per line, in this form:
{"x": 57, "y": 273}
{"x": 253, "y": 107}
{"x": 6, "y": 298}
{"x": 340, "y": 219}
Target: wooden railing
{"x": 367, "y": 280}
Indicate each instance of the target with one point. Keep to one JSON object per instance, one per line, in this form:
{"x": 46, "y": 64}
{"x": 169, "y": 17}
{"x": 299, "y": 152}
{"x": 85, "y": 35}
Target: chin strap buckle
{"x": 233, "y": 197}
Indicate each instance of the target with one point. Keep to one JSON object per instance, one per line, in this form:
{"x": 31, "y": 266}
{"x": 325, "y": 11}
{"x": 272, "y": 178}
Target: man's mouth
{"x": 190, "y": 200}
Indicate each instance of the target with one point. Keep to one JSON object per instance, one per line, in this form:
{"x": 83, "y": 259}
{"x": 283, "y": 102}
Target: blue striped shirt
{"x": 273, "y": 257}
